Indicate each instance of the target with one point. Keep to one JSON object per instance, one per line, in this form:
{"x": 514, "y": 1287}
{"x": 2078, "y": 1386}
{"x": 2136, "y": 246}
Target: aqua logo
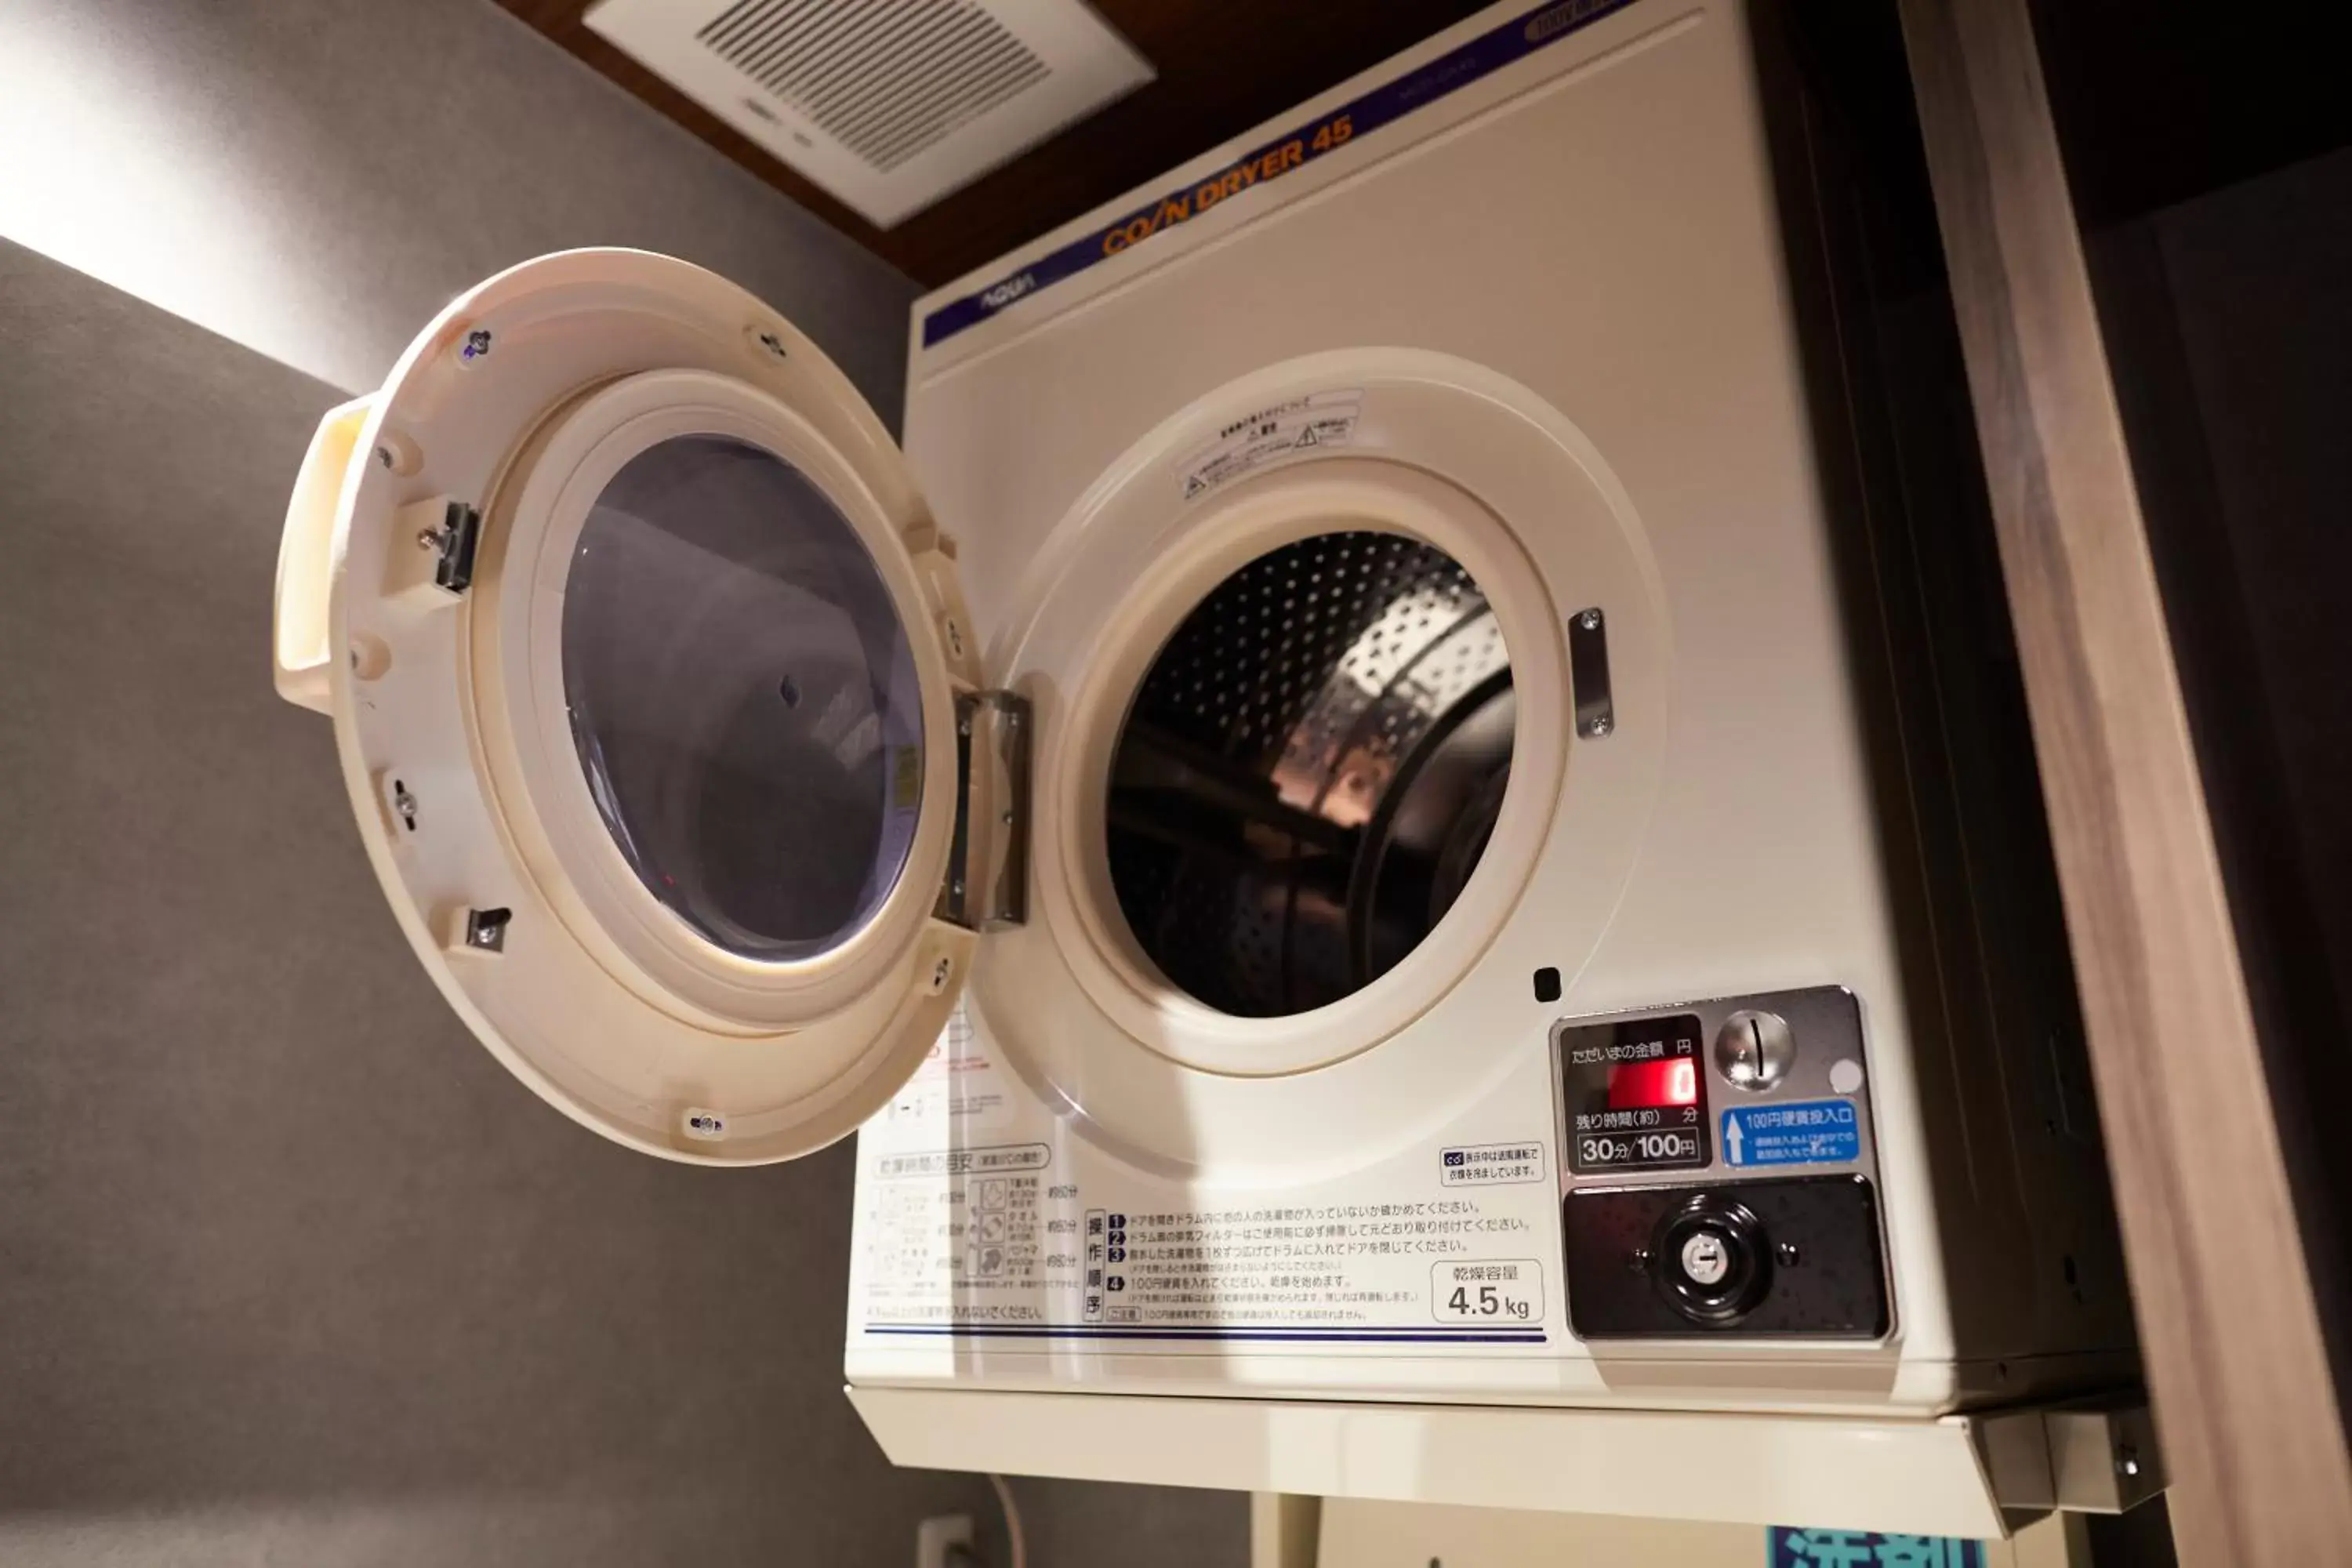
{"x": 1560, "y": 18}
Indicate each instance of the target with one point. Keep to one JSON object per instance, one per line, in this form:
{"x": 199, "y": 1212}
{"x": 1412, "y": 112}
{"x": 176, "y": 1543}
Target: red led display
{"x": 1636, "y": 1095}
{"x": 1638, "y": 1086}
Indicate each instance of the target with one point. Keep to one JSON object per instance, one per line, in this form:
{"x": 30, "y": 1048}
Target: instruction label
{"x": 983, "y": 1250}
{"x": 1301, "y": 424}
{"x": 1809, "y": 1133}
{"x": 1491, "y": 1165}
{"x": 980, "y": 1214}
{"x": 975, "y": 1250}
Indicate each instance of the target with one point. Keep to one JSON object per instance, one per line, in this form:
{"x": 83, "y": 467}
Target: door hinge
{"x": 987, "y": 883}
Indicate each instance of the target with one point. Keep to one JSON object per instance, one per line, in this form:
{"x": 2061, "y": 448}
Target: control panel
{"x": 1720, "y": 1171}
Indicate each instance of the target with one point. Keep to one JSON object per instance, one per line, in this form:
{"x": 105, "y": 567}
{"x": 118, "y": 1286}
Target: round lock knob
{"x": 1705, "y": 1259}
{"x": 1754, "y": 1050}
{"x": 1713, "y": 1260}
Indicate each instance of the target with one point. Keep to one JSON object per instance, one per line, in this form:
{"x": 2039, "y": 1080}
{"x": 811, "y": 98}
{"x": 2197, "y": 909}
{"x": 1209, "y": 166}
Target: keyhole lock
{"x": 1753, "y": 1050}
{"x": 1706, "y": 1259}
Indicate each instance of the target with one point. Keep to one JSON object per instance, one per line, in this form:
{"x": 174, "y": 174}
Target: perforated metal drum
{"x": 1309, "y": 771}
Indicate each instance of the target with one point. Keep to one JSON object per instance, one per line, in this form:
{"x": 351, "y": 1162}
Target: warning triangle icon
{"x": 1306, "y": 437}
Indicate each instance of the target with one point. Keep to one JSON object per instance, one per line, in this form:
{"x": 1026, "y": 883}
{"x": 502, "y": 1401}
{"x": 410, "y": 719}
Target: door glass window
{"x": 743, "y": 697}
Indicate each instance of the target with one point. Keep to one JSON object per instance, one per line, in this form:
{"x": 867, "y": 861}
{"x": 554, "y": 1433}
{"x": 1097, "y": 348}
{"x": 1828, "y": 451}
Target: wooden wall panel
{"x": 2231, "y": 1328}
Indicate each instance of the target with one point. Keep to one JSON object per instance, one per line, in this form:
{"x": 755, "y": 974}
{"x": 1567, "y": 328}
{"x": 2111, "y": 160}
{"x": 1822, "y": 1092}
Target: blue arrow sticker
{"x": 1807, "y": 1132}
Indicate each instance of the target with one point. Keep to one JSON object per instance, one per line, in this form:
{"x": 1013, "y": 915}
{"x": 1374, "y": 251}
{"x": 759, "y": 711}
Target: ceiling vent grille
{"x": 885, "y": 81}
{"x": 887, "y": 104}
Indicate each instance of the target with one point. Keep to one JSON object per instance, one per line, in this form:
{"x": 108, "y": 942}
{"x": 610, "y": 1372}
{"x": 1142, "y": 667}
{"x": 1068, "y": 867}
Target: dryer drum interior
{"x": 1311, "y": 771}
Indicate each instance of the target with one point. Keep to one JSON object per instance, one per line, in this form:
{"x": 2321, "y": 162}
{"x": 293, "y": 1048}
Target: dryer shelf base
{"x": 1976, "y": 1475}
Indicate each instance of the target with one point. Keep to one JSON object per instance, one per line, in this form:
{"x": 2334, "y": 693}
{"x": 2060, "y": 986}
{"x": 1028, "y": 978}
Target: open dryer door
{"x": 656, "y": 702}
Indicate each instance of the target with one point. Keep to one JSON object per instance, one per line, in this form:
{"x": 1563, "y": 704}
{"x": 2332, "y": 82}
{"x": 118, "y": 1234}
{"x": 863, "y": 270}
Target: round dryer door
{"x": 646, "y": 663}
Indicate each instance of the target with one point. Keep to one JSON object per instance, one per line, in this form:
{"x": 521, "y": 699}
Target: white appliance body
{"x": 1560, "y": 289}
{"x": 741, "y": 780}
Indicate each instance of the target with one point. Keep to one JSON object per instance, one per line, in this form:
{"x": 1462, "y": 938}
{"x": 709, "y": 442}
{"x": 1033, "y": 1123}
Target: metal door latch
{"x": 453, "y": 545}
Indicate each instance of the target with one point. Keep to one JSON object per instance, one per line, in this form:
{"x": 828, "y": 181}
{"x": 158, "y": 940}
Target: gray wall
{"x": 289, "y": 1268}
{"x": 291, "y": 1272}
{"x": 315, "y": 180}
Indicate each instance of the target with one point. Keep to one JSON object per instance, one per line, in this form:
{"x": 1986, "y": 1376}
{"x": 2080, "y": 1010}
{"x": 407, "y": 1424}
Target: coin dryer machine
{"x": 1410, "y": 854}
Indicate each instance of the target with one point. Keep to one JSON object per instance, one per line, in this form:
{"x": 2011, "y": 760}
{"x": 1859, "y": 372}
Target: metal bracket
{"x": 453, "y": 544}
{"x": 987, "y": 884}
{"x": 1587, "y": 661}
{"x": 2093, "y": 1457}
{"x": 486, "y": 930}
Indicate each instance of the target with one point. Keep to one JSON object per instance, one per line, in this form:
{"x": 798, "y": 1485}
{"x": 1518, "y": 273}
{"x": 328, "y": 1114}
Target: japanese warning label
{"x": 1302, "y": 424}
{"x": 978, "y": 1213}
{"x": 1491, "y": 1165}
{"x": 1018, "y": 1249}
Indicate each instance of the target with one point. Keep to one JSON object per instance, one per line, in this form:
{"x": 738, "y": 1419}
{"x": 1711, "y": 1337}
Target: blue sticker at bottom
{"x": 1809, "y": 1133}
{"x": 1787, "y": 1548}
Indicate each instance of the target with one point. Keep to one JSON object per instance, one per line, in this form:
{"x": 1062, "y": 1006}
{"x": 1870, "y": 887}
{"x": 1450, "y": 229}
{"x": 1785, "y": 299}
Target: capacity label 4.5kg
{"x": 1506, "y": 1290}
